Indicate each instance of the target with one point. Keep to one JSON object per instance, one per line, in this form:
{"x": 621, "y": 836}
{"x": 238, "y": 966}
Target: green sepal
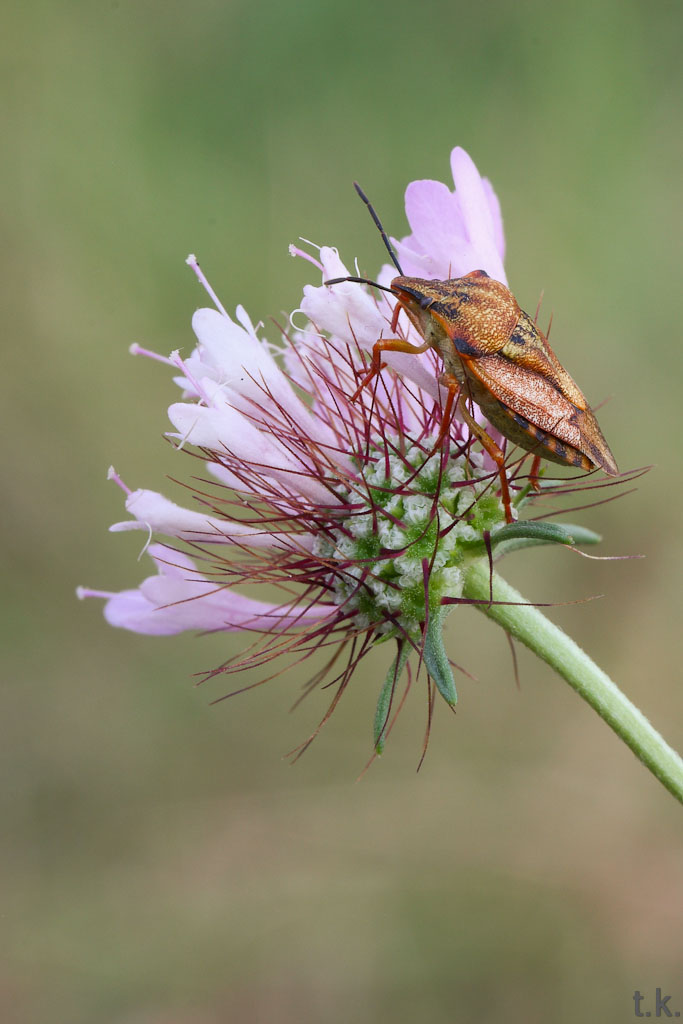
{"x": 545, "y": 533}
{"x": 384, "y": 638}
{"x": 527, "y": 534}
{"x": 436, "y": 660}
{"x": 386, "y": 695}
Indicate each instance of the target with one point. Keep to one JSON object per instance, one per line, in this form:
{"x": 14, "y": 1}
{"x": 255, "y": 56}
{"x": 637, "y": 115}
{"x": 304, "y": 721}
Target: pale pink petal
{"x": 179, "y": 599}
{"x": 129, "y": 609}
{"x": 435, "y": 220}
{"x": 226, "y": 432}
{"x": 249, "y": 378}
{"x": 229, "y": 479}
{"x": 476, "y": 214}
{"x": 154, "y": 512}
{"x": 472, "y": 199}
{"x": 249, "y": 483}
{"x": 254, "y": 382}
{"x": 496, "y": 217}
{"x": 246, "y": 321}
{"x": 352, "y": 316}
{"x": 309, "y": 355}
{"x": 346, "y": 310}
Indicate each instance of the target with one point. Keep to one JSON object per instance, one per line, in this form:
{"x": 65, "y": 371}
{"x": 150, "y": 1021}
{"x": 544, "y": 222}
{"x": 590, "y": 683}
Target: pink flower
{"x": 343, "y": 506}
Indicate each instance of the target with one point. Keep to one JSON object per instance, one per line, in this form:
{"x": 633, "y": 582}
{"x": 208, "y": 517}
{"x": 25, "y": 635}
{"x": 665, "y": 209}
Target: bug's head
{"x": 416, "y": 296}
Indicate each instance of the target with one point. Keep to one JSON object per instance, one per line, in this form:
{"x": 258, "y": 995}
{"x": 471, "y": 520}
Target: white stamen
{"x": 83, "y": 592}
{"x": 176, "y": 360}
{"x": 113, "y": 475}
{"x": 192, "y": 262}
{"x": 295, "y": 251}
{"x": 308, "y": 242}
{"x": 147, "y": 542}
{"x": 138, "y": 350}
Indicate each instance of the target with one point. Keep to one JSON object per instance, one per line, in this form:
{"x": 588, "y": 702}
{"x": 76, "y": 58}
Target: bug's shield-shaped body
{"x": 506, "y": 365}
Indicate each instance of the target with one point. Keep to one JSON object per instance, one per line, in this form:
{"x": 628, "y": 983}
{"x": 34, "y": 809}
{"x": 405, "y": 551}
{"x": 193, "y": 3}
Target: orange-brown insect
{"x": 494, "y": 355}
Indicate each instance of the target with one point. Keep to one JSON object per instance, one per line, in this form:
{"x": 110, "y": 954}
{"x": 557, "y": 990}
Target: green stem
{"x": 531, "y": 627}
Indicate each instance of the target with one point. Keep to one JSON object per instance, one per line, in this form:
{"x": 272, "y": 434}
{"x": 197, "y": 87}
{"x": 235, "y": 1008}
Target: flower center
{"x": 404, "y": 540}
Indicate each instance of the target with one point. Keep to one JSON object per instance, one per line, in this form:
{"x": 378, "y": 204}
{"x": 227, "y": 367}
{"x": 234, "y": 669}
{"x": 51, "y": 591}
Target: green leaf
{"x": 435, "y": 659}
{"x": 386, "y": 695}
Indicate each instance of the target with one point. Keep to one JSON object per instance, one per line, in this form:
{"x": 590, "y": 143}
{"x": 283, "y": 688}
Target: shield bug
{"x": 494, "y": 355}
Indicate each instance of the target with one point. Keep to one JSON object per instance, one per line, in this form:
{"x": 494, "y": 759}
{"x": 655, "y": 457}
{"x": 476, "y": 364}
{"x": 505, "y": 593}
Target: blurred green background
{"x": 162, "y": 863}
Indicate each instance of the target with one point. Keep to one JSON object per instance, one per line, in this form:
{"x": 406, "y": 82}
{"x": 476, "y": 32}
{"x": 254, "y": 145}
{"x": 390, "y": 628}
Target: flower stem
{"x": 530, "y": 626}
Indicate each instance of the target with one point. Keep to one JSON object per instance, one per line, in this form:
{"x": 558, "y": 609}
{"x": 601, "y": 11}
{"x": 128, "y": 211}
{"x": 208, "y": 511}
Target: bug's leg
{"x": 394, "y": 317}
{"x": 490, "y": 446}
{"x": 533, "y": 473}
{"x": 387, "y": 345}
{"x": 452, "y": 384}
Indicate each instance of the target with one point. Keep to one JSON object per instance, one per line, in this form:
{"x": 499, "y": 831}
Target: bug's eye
{"x": 425, "y": 302}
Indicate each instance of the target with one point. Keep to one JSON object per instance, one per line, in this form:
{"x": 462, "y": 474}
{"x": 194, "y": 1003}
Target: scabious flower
{"x": 345, "y": 504}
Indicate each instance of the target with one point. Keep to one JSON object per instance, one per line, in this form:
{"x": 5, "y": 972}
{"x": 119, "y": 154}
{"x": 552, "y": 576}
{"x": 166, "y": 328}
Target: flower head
{"x": 345, "y": 504}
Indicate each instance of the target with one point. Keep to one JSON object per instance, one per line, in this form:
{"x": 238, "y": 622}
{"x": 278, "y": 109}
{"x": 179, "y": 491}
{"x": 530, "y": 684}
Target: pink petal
{"x": 154, "y": 512}
{"x": 351, "y": 314}
{"x": 472, "y": 199}
{"x": 247, "y": 371}
{"x": 496, "y": 217}
{"x": 130, "y": 610}
{"x": 476, "y": 214}
{"x": 434, "y": 218}
{"x": 179, "y": 599}
{"x": 345, "y": 310}
{"x": 226, "y": 432}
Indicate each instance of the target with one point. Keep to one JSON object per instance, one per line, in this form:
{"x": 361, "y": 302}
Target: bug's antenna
{"x": 394, "y": 257}
{"x": 360, "y": 280}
